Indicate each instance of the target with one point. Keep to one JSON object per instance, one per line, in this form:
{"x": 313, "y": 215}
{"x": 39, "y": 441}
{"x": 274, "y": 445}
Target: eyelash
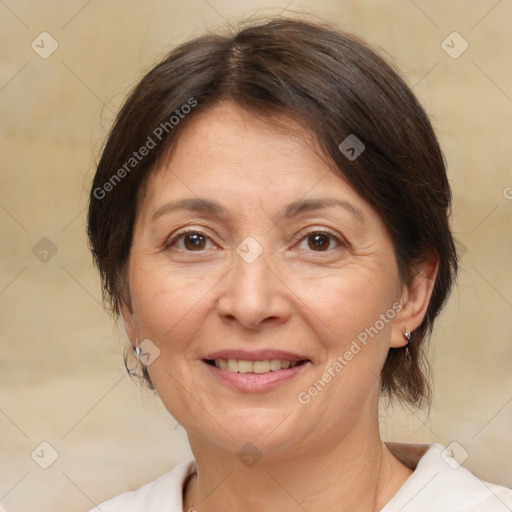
{"x": 302, "y": 235}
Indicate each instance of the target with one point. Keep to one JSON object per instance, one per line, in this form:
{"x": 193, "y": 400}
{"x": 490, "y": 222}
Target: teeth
{"x": 261, "y": 366}
{"x": 275, "y": 364}
{"x": 244, "y": 366}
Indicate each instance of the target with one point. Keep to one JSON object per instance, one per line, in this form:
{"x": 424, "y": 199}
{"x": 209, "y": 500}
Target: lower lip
{"x": 257, "y": 382}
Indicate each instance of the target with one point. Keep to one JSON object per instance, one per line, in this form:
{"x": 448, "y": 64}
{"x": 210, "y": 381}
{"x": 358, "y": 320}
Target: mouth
{"x": 256, "y": 371}
{"x": 258, "y": 367}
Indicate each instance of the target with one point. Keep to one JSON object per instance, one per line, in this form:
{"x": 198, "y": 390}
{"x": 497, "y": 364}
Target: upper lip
{"x": 255, "y": 355}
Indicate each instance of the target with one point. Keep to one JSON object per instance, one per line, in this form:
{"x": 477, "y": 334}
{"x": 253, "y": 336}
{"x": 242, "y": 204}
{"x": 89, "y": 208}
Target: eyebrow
{"x": 291, "y": 210}
{"x": 306, "y": 205}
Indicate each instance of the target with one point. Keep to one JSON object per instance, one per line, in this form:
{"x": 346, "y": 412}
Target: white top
{"x": 438, "y": 484}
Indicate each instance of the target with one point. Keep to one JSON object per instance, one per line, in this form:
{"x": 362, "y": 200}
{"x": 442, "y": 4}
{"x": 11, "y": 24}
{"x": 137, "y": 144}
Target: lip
{"x": 255, "y": 355}
{"x": 255, "y": 382}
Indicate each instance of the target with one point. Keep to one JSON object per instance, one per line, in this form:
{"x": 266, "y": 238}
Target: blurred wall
{"x": 61, "y": 372}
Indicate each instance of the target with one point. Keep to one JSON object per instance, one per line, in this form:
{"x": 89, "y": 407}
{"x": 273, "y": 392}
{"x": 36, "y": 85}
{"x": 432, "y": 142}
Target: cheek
{"x": 345, "y": 306}
{"x": 170, "y": 310}
{"x": 351, "y": 324}
{"x": 168, "y": 304}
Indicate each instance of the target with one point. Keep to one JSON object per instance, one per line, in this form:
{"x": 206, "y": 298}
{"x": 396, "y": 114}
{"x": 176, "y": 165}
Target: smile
{"x": 245, "y": 366}
{"x": 257, "y": 376}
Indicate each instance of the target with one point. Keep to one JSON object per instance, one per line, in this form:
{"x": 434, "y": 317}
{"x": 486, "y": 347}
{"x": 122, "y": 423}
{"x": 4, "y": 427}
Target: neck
{"x": 356, "y": 472}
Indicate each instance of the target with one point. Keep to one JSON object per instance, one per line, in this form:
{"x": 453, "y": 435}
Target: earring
{"x": 137, "y": 350}
{"x": 407, "y": 336}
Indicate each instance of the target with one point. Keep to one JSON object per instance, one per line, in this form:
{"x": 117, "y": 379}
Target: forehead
{"x": 227, "y": 135}
{"x": 232, "y": 155}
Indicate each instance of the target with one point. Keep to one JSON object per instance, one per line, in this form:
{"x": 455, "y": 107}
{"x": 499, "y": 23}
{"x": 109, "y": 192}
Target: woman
{"x": 270, "y": 219}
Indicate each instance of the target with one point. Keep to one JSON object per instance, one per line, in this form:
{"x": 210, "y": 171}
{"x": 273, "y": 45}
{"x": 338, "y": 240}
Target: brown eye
{"x": 190, "y": 241}
{"x": 319, "y": 241}
{"x": 194, "y": 241}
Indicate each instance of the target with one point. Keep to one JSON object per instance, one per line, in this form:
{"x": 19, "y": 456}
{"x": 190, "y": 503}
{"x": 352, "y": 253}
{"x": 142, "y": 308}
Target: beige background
{"x": 61, "y": 373}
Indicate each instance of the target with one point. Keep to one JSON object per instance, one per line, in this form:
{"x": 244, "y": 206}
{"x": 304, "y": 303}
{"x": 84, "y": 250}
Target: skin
{"x": 190, "y": 301}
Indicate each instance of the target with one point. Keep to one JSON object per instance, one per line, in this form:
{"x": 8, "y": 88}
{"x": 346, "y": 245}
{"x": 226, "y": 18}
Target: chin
{"x": 272, "y": 431}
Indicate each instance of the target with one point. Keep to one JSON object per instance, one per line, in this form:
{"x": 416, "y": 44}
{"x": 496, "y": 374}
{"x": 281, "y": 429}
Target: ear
{"x": 128, "y": 319}
{"x": 414, "y": 301}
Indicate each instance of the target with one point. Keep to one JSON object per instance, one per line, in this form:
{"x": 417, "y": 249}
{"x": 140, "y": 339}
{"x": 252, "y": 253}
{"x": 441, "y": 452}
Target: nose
{"x": 253, "y": 295}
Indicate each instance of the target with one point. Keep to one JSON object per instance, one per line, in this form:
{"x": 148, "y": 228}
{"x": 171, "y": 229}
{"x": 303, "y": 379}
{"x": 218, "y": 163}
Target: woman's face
{"x": 250, "y": 255}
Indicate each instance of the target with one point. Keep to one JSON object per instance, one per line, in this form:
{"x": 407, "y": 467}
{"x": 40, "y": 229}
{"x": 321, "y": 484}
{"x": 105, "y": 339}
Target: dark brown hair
{"x": 334, "y": 85}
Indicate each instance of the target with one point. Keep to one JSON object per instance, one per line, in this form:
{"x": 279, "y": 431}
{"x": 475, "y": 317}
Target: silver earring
{"x": 137, "y": 350}
{"x": 407, "y": 336}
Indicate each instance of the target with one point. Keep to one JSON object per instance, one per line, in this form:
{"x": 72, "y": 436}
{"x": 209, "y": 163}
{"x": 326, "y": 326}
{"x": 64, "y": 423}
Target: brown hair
{"x": 333, "y": 84}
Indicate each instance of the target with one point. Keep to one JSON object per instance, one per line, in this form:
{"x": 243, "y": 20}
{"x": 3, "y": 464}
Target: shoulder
{"x": 163, "y": 494}
{"x": 440, "y": 483}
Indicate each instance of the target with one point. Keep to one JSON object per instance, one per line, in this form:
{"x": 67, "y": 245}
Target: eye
{"x": 319, "y": 241}
{"x": 189, "y": 241}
